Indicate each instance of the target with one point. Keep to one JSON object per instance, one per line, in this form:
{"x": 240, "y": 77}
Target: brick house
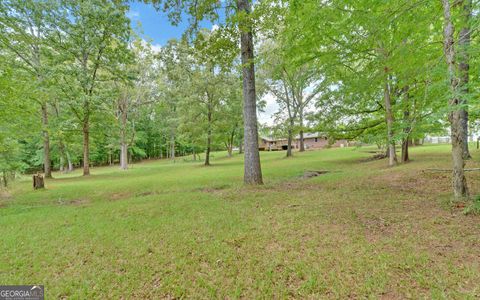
{"x": 313, "y": 140}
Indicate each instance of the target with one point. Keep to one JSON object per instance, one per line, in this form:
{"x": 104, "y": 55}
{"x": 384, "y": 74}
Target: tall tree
{"x": 208, "y": 9}
{"x": 460, "y": 188}
{"x": 464, "y": 67}
{"x": 93, "y": 37}
{"x": 22, "y": 32}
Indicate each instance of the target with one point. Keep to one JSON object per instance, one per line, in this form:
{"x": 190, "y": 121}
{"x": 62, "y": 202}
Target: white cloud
{"x": 271, "y": 107}
{"x": 133, "y": 15}
{"x": 156, "y": 48}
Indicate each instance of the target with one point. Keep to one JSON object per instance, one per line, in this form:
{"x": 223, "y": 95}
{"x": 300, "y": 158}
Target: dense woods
{"x": 80, "y": 88}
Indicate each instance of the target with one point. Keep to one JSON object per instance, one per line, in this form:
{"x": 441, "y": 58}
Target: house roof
{"x": 306, "y": 135}
{"x": 268, "y": 139}
{"x": 309, "y": 135}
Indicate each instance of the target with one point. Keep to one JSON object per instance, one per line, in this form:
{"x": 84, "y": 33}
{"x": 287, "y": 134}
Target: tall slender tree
{"x": 460, "y": 188}
{"x": 22, "y": 32}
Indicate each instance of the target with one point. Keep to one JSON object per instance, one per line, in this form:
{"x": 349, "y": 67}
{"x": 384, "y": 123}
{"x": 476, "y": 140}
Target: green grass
{"x": 165, "y": 230}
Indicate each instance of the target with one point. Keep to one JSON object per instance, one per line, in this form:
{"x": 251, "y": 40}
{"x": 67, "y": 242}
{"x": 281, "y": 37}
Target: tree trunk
{"x": 61, "y": 149}
{"x": 459, "y": 182}
{"x": 252, "y": 167}
{"x": 240, "y": 148}
{"x": 123, "y": 155}
{"x": 61, "y": 166}
{"x": 123, "y": 139}
{"x": 46, "y": 143}
{"x": 38, "y": 182}
{"x": 209, "y": 133}
{"x": 230, "y": 141}
{"x": 391, "y": 153}
{"x": 392, "y": 156}
{"x": 289, "y": 142}
{"x": 86, "y": 148}
{"x": 69, "y": 162}
{"x": 464, "y": 67}
{"x": 207, "y": 153}
{"x": 405, "y": 145}
{"x": 172, "y": 147}
{"x": 406, "y": 138}
{"x": 302, "y": 142}
{"x": 5, "y": 179}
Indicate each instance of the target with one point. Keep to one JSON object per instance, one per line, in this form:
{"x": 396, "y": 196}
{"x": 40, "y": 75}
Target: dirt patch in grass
{"x": 314, "y": 173}
{"x": 377, "y": 156}
{"x": 119, "y": 196}
{"x": 74, "y": 202}
{"x": 145, "y": 194}
{"x": 212, "y": 189}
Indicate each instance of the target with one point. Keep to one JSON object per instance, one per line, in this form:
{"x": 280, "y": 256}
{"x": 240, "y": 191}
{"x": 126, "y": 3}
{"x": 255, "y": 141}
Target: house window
{"x": 316, "y": 140}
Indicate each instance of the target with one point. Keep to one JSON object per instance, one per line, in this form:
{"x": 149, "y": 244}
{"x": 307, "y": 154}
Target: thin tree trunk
{"x": 5, "y": 179}
{"x": 46, "y": 143}
{"x": 252, "y": 167}
{"x": 240, "y": 148}
{"x": 289, "y": 143}
{"x": 405, "y": 145}
{"x": 123, "y": 155}
{"x": 207, "y": 153}
{"x": 69, "y": 162}
{"x": 61, "y": 148}
{"x": 230, "y": 141}
{"x": 406, "y": 138}
{"x": 123, "y": 139}
{"x": 209, "y": 135}
{"x": 86, "y": 148}
{"x": 172, "y": 147}
{"x": 392, "y": 156}
{"x": 464, "y": 67}
{"x": 302, "y": 142}
{"x": 459, "y": 181}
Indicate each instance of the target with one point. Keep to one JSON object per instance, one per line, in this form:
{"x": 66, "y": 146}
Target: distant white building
{"x": 473, "y": 136}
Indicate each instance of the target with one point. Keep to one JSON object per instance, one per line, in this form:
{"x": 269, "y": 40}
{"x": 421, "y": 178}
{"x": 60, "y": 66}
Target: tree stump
{"x": 38, "y": 182}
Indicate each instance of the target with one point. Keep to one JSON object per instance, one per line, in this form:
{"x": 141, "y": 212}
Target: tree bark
{"x": 459, "y": 181}
{"x": 289, "y": 143}
{"x": 61, "y": 149}
{"x": 406, "y": 139}
{"x": 172, "y": 147}
{"x": 405, "y": 145}
{"x": 5, "y": 179}
{"x": 464, "y": 67}
{"x": 209, "y": 136}
{"x": 230, "y": 141}
{"x": 123, "y": 155}
{"x": 86, "y": 148}
{"x": 392, "y": 156}
{"x": 252, "y": 167}
{"x": 69, "y": 161}
{"x": 46, "y": 143}
{"x": 123, "y": 138}
{"x": 38, "y": 182}
{"x": 302, "y": 142}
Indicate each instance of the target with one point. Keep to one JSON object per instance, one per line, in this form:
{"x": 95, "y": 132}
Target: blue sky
{"x": 155, "y": 24}
{"x": 156, "y": 28}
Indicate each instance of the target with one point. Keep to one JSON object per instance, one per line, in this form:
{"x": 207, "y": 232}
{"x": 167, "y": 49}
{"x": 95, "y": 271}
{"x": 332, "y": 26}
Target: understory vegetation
{"x": 172, "y": 230}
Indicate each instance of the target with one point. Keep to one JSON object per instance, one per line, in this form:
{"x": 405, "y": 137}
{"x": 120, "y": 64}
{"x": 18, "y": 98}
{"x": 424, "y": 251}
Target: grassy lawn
{"x": 173, "y": 230}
